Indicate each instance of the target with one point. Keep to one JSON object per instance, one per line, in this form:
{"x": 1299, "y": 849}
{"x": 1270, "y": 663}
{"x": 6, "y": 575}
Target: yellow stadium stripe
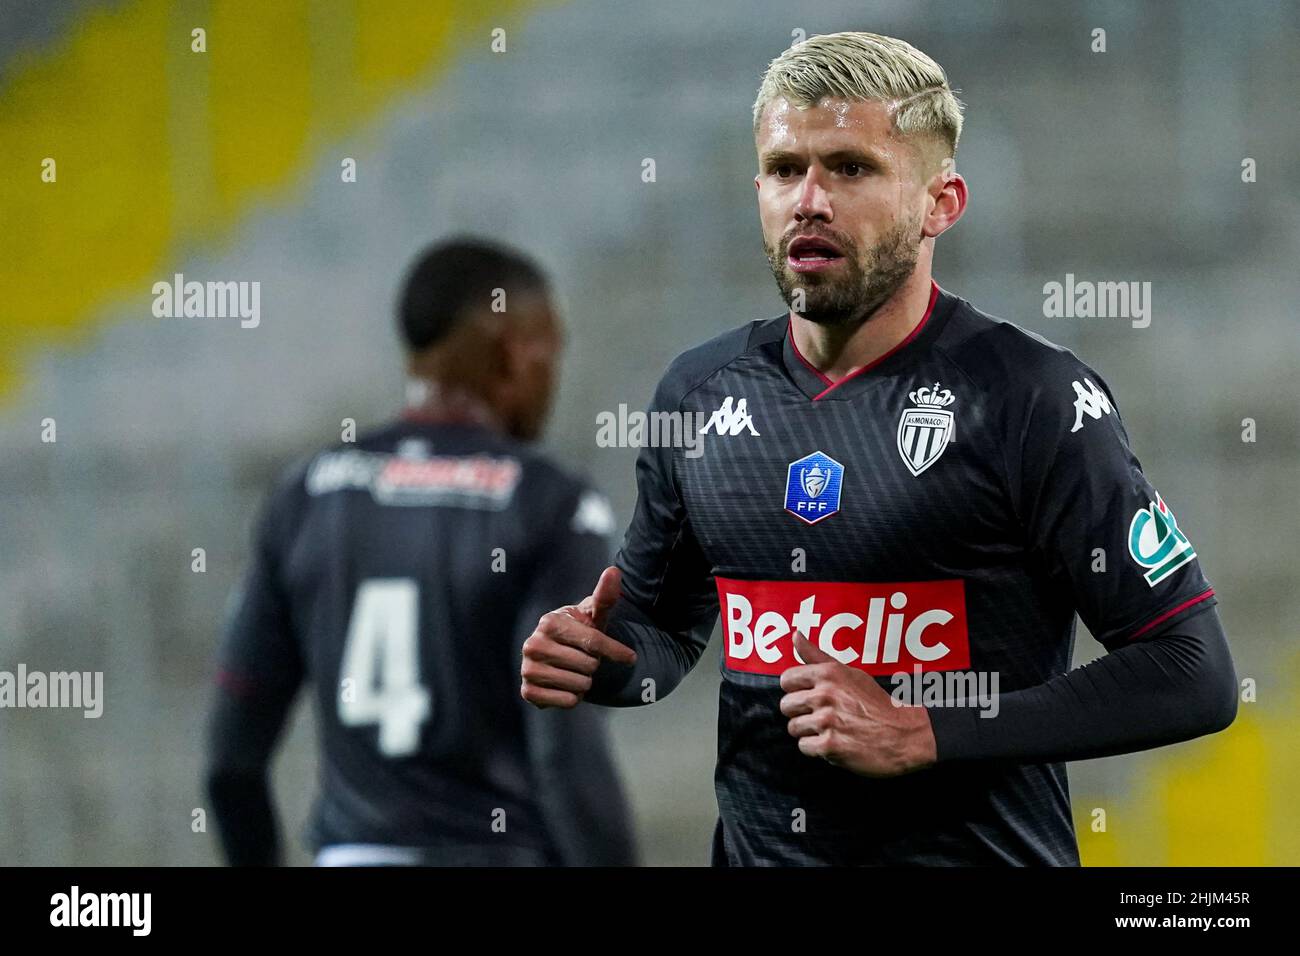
{"x": 1220, "y": 801}
{"x": 160, "y": 149}
{"x": 1215, "y": 800}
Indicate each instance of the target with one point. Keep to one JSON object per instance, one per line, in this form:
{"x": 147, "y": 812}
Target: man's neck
{"x": 839, "y": 351}
{"x": 429, "y": 400}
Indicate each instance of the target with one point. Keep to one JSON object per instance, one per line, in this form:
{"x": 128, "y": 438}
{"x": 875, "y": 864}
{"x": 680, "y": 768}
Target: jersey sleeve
{"x": 581, "y": 796}
{"x": 665, "y": 574}
{"x": 1177, "y": 685}
{"x": 669, "y": 603}
{"x": 259, "y": 671}
{"x": 1094, "y": 524}
{"x": 259, "y": 654}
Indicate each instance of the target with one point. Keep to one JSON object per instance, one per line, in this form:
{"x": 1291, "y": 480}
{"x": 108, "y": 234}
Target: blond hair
{"x": 867, "y": 66}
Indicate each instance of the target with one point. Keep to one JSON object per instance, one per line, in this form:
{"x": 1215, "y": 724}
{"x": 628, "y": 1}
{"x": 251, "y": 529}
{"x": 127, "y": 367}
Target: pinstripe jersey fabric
{"x": 1015, "y": 508}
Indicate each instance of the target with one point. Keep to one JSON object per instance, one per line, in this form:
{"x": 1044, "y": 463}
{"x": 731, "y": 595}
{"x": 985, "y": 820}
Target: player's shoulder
{"x": 356, "y": 462}
{"x": 416, "y": 457}
{"x": 540, "y": 474}
{"x": 283, "y": 504}
{"x": 562, "y": 491}
{"x": 1006, "y": 358}
{"x": 698, "y": 364}
{"x": 562, "y": 479}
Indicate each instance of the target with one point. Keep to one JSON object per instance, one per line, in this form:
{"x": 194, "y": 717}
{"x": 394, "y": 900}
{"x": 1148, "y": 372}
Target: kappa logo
{"x": 1091, "y": 401}
{"x": 812, "y": 487}
{"x": 730, "y": 421}
{"x": 1155, "y": 542}
{"x": 924, "y": 432}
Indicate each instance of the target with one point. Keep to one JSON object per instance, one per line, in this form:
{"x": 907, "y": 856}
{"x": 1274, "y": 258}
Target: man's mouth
{"x": 811, "y": 254}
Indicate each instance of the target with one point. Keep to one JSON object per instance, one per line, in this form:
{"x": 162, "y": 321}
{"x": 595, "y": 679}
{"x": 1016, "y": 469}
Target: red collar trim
{"x": 799, "y": 355}
{"x": 830, "y": 383}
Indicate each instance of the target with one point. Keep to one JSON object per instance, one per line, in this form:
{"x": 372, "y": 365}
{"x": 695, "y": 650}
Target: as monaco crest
{"x": 924, "y": 431}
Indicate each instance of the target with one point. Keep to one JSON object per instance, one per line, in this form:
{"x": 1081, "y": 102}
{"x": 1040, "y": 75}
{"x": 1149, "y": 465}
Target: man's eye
{"x": 784, "y": 171}
{"x": 853, "y": 169}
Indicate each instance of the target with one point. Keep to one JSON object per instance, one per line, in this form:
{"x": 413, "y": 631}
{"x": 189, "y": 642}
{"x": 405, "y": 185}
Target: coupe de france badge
{"x": 924, "y": 431}
{"x": 812, "y": 487}
{"x": 1155, "y": 542}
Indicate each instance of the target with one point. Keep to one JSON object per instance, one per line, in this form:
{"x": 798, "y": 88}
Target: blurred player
{"x": 924, "y": 494}
{"x": 399, "y": 574}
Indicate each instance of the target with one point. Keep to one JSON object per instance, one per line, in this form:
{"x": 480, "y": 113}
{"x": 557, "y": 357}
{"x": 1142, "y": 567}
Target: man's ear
{"x": 513, "y": 348}
{"x": 950, "y": 194}
{"x": 489, "y": 347}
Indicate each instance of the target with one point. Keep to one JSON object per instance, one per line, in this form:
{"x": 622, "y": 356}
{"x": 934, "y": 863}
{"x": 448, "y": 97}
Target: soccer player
{"x": 399, "y": 574}
{"x": 898, "y": 529}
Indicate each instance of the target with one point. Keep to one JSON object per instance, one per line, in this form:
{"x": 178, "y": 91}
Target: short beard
{"x": 870, "y": 282}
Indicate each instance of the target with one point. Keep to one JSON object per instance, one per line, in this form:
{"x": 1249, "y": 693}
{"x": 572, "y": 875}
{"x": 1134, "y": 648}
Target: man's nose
{"x": 814, "y": 201}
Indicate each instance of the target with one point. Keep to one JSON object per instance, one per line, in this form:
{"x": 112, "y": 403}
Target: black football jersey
{"x": 399, "y": 575}
{"x": 946, "y": 510}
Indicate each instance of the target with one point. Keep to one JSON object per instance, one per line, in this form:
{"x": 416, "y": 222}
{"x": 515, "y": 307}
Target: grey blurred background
{"x": 1115, "y": 166}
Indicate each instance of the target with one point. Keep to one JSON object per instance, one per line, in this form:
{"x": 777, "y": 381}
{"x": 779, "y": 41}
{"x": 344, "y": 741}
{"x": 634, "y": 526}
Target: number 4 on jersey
{"x": 383, "y": 634}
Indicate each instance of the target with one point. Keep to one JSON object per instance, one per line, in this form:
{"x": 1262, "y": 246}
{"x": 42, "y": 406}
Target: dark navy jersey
{"x": 400, "y": 575}
{"x": 946, "y": 510}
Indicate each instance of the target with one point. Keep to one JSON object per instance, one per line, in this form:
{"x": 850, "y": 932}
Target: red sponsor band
{"x": 880, "y": 628}
{"x": 476, "y": 473}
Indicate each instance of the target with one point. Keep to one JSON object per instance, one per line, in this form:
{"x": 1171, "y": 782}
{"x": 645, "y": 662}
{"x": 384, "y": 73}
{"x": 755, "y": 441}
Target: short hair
{"x": 451, "y": 277}
{"x": 866, "y": 66}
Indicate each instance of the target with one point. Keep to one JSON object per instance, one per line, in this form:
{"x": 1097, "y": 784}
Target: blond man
{"x": 902, "y": 534}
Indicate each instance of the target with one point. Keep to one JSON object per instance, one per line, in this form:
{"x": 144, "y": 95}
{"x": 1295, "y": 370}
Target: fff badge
{"x": 812, "y": 487}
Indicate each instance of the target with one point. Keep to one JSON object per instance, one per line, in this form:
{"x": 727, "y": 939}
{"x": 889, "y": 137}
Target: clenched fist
{"x": 562, "y": 654}
{"x": 842, "y": 715}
